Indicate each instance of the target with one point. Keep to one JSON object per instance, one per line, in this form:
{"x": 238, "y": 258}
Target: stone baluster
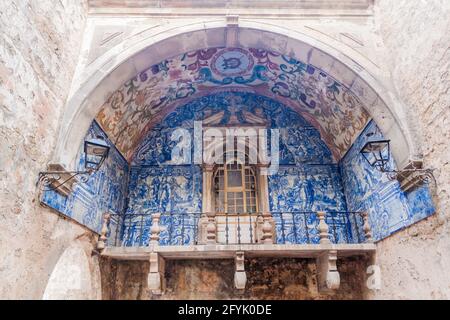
{"x": 202, "y": 226}
{"x": 101, "y": 244}
{"x": 267, "y": 228}
{"x": 268, "y": 225}
{"x": 366, "y": 227}
{"x": 155, "y": 230}
{"x": 323, "y": 229}
{"x": 211, "y": 228}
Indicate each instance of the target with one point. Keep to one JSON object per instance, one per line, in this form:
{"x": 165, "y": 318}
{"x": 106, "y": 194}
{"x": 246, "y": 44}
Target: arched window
{"x": 236, "y": 192}
{"x": 235, "y": 188}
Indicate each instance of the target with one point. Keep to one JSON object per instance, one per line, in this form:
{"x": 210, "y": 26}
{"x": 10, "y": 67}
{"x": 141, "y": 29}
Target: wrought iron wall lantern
{"x": 58, "y": 179}
{"x": 377, "y": 153}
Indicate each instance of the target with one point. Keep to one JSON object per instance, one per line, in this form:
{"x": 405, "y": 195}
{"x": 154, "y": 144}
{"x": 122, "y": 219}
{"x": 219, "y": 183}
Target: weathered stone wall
{"x": 39, "y": 49}
{"x": 415, "y": 262}
{"x": 267, "y": 278}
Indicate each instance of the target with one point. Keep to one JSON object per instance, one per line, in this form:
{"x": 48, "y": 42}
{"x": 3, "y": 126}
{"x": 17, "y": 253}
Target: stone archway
{"x": 141, "y": 51}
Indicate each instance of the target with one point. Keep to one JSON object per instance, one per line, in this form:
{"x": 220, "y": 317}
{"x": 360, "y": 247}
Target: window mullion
{"x": 244, "y": 193}
{"x": 225, "y": 184}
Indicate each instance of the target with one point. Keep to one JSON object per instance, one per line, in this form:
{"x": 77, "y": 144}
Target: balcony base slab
{"x": 229, "y": 251}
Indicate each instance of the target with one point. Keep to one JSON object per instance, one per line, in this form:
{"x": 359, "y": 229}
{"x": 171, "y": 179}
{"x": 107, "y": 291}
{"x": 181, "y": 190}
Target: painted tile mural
{"x": 173, "y": 191}
{"x": 144, "y": 100}
{"x": 237, "y": 108}
{"x": 105, "y": 191}
{"x": 307, "y": 181}
{"x": 367, "y": 189}
{"x": 296, "y": 192}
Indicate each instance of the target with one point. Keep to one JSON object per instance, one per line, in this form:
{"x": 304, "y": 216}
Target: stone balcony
{"x": 156, "y": 237}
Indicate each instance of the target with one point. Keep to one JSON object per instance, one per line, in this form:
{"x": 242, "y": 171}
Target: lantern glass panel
{"x": 376, "y": 146}
{"x": 376, "y": 153}
{"x": 96, "y": 151}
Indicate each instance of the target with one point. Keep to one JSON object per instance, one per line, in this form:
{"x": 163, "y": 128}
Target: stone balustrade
{"x": 259, "y": 228}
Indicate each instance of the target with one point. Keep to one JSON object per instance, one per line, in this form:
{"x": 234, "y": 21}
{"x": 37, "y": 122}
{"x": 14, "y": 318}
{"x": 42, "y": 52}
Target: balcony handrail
{"x": 289, "y": 226}
{"x": 175, "y": 212}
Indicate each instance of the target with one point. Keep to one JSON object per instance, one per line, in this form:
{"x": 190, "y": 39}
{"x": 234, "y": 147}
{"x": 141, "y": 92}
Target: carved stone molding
{"x": 285, "y": 8}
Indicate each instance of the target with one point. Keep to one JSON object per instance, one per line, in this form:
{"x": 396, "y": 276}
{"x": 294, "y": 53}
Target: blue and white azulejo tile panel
{"x": 367, "y": 189}
{"x": 104, "y": 191}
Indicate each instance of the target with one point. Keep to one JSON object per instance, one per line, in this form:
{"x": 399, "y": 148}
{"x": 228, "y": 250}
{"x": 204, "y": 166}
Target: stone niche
{"x": 267, "y": 279}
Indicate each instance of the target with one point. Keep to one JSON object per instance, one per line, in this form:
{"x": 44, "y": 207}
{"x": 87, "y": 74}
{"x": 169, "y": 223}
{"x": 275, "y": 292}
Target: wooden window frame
{"x": 238, "y": 189}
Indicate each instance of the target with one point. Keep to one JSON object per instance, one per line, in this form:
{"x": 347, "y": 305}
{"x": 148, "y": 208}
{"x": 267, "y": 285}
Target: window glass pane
{"x": 230, "y": 199}
{"x": 236, "y": 202}
{"x": 219, "y": 203}
{"x": 239, "y": 199}
{"x": 234, "y": 179}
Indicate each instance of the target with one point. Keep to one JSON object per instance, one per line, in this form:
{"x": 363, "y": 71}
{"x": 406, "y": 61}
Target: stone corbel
{"x": 240, "y": 277}
{"x": 327, "y": 273}
{"x": 155, "y": 278}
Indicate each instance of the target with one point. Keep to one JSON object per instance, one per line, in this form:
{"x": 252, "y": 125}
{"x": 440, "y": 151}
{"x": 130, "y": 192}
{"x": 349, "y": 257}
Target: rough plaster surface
{"x": 415, "y": 262}
{"x": 267, "y": 278}
{"x": 39, "y": 48}
{"x": 71, "y": 277}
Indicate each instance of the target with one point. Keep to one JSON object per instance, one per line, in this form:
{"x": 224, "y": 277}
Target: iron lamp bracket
{"x": 60, "y": 180}
{"x": 411, "y": 178}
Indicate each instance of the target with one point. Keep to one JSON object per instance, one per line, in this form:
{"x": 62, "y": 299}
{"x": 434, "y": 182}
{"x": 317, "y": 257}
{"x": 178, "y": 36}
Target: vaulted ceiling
{"x": 146, "y": 99}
